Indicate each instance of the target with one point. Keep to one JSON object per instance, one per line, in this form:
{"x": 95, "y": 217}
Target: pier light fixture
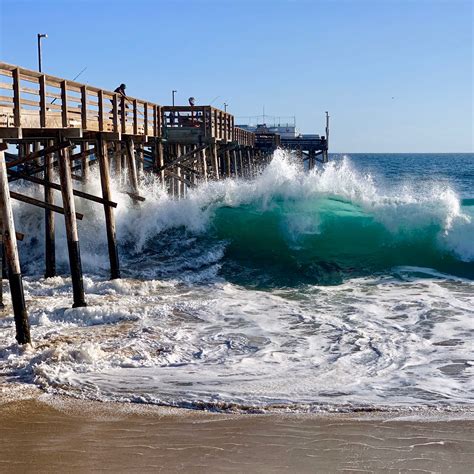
{"x": 40, "y": 36}
{"x": 173, "y": 92}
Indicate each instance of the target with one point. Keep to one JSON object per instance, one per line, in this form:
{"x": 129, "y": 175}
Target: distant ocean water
{"x": 347, "y": 287}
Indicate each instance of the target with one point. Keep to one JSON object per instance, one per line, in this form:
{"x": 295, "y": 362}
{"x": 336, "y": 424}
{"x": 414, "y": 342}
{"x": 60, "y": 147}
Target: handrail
{"x": 36, "y": 100}
{"x": 31, "y": 99}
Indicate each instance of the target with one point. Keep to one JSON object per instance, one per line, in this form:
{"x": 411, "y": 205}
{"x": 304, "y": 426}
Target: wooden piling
{"x": 204, "y": 163}
{"x": 132, "y": 165}
{"x": 50, "y": 248}
{"x": 214, "y": 159}
{"x": 85, "y": 161}
{"x": 71, "y": 229}
{"x": 11, "y": 252}
{"x": 227, "y": 164}
{"x": 108, "y": 210}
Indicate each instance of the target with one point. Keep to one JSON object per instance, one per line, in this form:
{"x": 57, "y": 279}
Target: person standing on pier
{"x": 121, "y": 90}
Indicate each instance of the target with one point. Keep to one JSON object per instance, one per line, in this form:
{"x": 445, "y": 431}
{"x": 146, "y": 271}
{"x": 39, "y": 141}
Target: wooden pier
{"x": 69, "y": 127}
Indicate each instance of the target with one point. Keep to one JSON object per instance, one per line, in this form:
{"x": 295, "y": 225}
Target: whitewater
{"x": 337, "y": 289}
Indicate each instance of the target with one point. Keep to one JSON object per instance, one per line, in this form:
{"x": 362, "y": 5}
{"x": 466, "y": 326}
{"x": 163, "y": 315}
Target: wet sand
{"x": 63, "y": 435}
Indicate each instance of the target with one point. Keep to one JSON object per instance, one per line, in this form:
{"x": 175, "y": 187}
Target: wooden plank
{"x": 34, "y": 103}
{"x": 179, "y": 178}
{"x": 42, "y": 83}
{"x": 38, "y": 203}
{"x": 135, "y": 124}
{"x": 36, "y": 154}
{"x": 115, "y": 118}
{"x": 145, "y": 118}
{"x": 183, "y": 158}
{"x": 48, "y": 184}
{"x": 16, "y": 98}
{"x": 84, "y": 106}
{"x": 64, "y": 111}
{"x": 101, "y": 110}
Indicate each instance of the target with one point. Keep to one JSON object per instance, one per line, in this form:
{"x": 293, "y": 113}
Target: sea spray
{"x": 321, "y": 226}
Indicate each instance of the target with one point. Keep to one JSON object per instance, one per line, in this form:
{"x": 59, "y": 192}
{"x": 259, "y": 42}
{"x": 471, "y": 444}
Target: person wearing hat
{"x": 121, "y": 90}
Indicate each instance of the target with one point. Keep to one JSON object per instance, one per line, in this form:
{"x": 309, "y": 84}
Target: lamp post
{"x": 40, "y": 35}
{"x": 172, "y": 95}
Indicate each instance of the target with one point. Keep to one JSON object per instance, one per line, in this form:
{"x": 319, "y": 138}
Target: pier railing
{"x": 207, "y": 121}
{"x": 244, "y": 137}
{"x": 29, "y": 99}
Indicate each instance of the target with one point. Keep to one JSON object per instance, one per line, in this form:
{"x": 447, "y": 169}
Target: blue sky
{"x": 395, "y": 75}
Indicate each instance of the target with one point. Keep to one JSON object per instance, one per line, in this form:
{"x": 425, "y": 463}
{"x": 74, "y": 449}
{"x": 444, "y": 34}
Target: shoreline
{"x": 48, "y": 433}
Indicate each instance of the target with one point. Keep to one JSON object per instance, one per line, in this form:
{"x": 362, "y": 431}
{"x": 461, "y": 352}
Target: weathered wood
{"x": 11, "y": 252}
{"x": 71, "y": 229}
{"x": 109, "y": 213}
{"x": 42, "y": 104}
{"x": 214, "y": 159}
{"x": 204, "y": 163}
{"x": 84, "y": 160}
{"x": 76, "y": 192}
{"x": 64, "y": 108}
{"x": 159, "y": 160}
{"x": 16, "y": 98}
{"x": 100, "y": 96}
{"x": 42, "y": 204}
{"x": 182, "y": 158}
{"x": 49, "y": 232}
{"x": 181, "y": 180}
{"x": 84, "y": 107}
{"x": 132, "y": 167}
{"x": 37, "y": 154}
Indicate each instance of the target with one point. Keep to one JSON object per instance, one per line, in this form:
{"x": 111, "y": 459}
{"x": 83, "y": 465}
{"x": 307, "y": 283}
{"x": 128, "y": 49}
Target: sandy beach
{"x": 49, "y": 434}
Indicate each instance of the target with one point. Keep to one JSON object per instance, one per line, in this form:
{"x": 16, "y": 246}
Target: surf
{"x": 285, "y": 227}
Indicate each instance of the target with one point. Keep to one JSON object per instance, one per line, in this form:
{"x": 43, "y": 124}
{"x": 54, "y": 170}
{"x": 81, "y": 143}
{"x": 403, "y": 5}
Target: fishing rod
{"x": 77, "y": 75}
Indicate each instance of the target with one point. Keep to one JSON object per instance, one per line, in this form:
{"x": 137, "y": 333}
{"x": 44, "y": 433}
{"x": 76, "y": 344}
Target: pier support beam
{"x": 71, "y": 229}
{"x": 158, "y": 159}
{"x": 204, "y": 163}
{"x": 11, "y": 252}
{"x": 227, "y": 164}
{"x": 214, "y": 159}
{"x": 132, "y": 165}
{"x": 85, "y": 161}
{"x": 109, "y": 212}
{"x": 50, "y": 248}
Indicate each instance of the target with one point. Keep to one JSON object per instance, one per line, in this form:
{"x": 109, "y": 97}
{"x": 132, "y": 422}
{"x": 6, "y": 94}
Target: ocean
{"x": 349, "y": 287}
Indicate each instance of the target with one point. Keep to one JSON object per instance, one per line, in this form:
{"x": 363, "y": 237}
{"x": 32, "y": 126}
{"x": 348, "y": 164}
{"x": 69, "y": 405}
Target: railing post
{"x": 84, "y": 107}
{"x": 135, "y": 116}
{"x": 145, "y": 118}
{"x": 115, "y": 113}
{"x": 16, "y": 98}
{"x": 155, "y": 120}
{"x": 123, "y": 114}
{"x": 42, "y": 93}
{"x": 64, "y": 112}
{"x": 100, "y": 98}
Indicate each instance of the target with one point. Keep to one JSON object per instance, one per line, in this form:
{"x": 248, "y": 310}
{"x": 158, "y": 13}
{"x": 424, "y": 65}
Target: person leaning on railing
{"x": 123, "y": 96}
